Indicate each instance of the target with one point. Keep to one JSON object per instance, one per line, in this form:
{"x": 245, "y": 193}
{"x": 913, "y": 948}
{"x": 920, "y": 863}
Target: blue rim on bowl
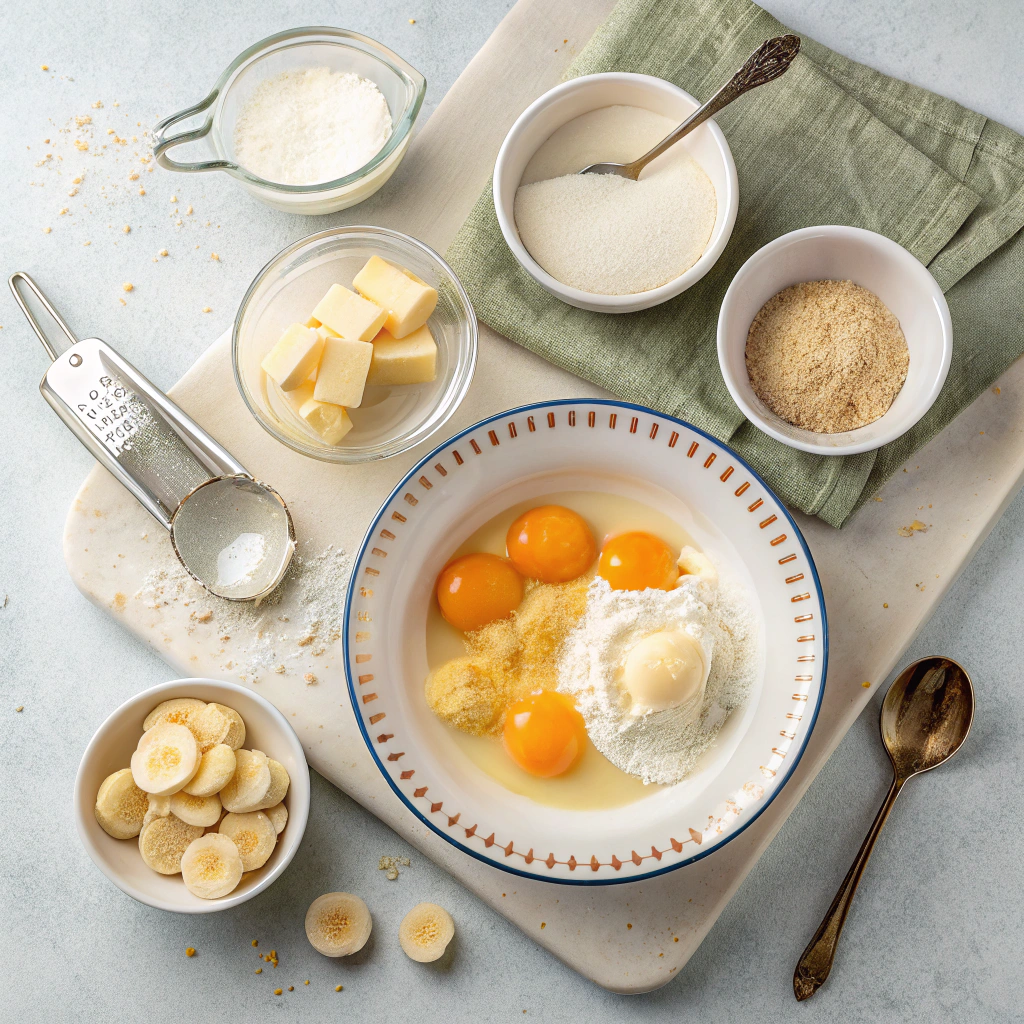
{"x": 416, "y": 800}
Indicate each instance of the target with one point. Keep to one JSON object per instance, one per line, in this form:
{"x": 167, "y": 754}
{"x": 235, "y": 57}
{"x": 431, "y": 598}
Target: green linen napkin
{"x": 831, "y": 142}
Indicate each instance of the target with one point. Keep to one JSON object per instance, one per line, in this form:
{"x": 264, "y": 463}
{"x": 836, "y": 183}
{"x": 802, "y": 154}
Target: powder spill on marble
{"x": 260, "y": 638}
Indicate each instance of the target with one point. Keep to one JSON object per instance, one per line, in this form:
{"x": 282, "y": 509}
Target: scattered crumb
{"x": 63, "y": 210}
{"x": 142, "y": 191}
{"x": 190, "y": 951}
{"x": 255, "y": 942}
{"x": 204, "y": 616}
{"x": 279, "y": 669}
{"x": 127, "y": 229}
{"x": 206, "y": 309}
{"x": 337, "y": 988}
{"x": 44, "y": 67}
{"x": 412, "y": 21}
{"x": 390, "y": 865}
{"x": 885, "y": 605}
{"x": 866, "y": 685}
{"x": 878, "y": 497}
{"x": 543, "y": 924}
{"x": 174, "y": 199}
{"x": 188, "y": 209}
{"x": 20, "y": 707}
{"x": 277, "y": 991}
{"x": 128, "y": 286}
{"x": 163, "y": 252}
{"x": 291, "y": 988}
{"x": 214, "y": 256}
{"x": 306, "y": 982}
{"x": 259, "y": 970}
{"x": 310, "y": 679}
{"x": 73, "y": 192}
{"x": 81, "y": 144}
{"x": 97, "y": 105}
{"x": 915, "y": 527}
{"x": 46, "y": 231}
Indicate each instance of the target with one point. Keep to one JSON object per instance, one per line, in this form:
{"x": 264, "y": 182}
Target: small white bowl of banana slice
{"x": 193, "y": 796}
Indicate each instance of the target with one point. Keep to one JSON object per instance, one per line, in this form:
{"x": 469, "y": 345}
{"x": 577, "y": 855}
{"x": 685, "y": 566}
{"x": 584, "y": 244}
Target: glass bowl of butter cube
{"x": 354, "y": 344}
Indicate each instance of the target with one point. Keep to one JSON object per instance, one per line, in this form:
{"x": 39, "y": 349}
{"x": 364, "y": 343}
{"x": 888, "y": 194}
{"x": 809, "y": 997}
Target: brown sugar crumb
{"x": 259, "y": 970}
{"x": 507, "y": 659}
{"x": 255, "y": 943}
{"x": 337, "y": 988}
{"x": 190, "y": 951}
{"x": 827, "y": 356}
{"x": 204, "y": 616}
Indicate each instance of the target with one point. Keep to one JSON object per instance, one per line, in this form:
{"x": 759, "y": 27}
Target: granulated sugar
{"x": 306, "y": 126}
{"x": 300, "y": 620}
{"x": 610, "y": 235}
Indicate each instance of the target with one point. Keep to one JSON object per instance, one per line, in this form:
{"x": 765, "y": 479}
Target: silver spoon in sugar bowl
{"x": 768, "y": 62}
{"x": 926, "y": 716}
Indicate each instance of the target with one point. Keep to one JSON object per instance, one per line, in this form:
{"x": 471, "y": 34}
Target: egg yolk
{"x": 478, "y": 588}
{"x": 544, "y": 734}
{"x": 638, "y": 561}
{"x": 552, "y": 544}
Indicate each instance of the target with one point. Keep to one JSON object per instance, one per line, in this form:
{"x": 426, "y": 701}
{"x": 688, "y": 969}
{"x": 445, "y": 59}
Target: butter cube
{"x": 294, "y": 357}
{"x": 408, "y": 360}
{"x": 313, "y": 322}
{"x": 408, "y": 301}
{"x": 298, "y": 397}
{"x": 330, "y": 422}
{"x": 342, "y": 374}
{"x": 350, "y": 315}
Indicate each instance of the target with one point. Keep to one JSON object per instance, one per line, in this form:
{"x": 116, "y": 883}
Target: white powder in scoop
{"x": 610, "y": 235}
{"x": 663, "y": 746}
{"x": 304, "y": 127}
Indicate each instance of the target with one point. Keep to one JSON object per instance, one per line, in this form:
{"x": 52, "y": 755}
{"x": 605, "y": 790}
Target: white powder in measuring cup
{"x": 309, "y": 126}
{"x": 610, "y": 235}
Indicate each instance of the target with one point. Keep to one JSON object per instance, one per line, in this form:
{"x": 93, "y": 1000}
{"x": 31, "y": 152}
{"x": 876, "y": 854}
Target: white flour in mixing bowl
{"x": 663, "y": 746}
{"x": 304, "y": 127}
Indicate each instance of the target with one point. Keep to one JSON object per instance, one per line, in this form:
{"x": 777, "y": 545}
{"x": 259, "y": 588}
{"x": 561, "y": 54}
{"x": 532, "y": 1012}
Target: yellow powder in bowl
{"x": 507, "y": 659}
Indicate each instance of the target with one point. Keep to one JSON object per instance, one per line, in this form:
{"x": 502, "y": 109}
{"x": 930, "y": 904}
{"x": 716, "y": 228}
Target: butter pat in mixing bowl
{"x": 665, "y": 670}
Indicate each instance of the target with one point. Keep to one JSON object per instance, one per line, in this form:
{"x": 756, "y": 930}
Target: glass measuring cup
{"x": 232, "y": 534}
{"x": 300, "y": 48}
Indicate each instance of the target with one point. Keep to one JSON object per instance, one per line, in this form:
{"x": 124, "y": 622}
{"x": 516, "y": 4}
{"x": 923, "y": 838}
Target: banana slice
{"x": 209, "y": 727}
{"x": 278, "y": 816}
{"x": 159, "y": 807}
{"x": 196, "y": 810}
{"x": 211, "y": 866}
{"x": 425, "y": 932}
{"x": 178, "y": 711}
{"x": 121, "y": 806}
{"x": 279, "y": 783}
{"x": 215, "y": 770}
{"x": 250, "y": 783}
{"x": 166, "y": 759}
{"x": 254, "y": 835}
{"x": 692, "y": 562}
{"x": 338, "y": 924}
{"x": 163, "y": 842}
{"x": 236, "y": 734}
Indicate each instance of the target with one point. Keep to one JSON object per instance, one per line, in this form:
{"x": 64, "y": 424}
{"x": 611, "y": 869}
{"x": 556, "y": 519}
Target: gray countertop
{"x": 934, "y": 930}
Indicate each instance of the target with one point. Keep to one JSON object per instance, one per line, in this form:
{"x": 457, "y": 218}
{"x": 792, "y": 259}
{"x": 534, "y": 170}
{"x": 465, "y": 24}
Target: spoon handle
{"x": 770, "y": 60}
{"x": 815, "y": 964}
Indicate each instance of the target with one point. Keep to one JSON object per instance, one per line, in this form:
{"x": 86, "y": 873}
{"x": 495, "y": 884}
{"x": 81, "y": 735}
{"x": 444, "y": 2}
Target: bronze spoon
{"x": 926, "y": 716}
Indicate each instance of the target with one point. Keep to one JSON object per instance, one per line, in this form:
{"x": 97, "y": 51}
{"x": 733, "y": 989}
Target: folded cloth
{"x": 831, "y": 142}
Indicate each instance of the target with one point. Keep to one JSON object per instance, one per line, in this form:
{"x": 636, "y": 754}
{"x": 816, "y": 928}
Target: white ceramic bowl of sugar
{"x": 840, "y": 253}
{"x": 706, "y": 145}
{"x": 111, "y": 749}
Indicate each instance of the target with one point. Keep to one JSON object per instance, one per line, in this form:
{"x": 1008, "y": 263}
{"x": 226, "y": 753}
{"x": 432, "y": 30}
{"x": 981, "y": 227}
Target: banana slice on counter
{"x": 692, "y": 562}
{"x": 425, "y": 932}
{"x": 159, "y": 807}
{"x": 166, "y": 759}
{"x": 121, "y": 806}
{"x": 278, "y": 816}
{"x": 210, "y": 727}
{"x": 254, "y": 835}
{"x": 338, "y": 924}
{"x": 216, "y": 767}
{"x": 279, "y": 783}
{"x": 211, "y": 866}
{"x": 236, "y": 733}
{"x": 196, "y": 810}
{"x": 250, "y": 784}
{"x": 178, "y": 711}
{"x": 163, "y": 842}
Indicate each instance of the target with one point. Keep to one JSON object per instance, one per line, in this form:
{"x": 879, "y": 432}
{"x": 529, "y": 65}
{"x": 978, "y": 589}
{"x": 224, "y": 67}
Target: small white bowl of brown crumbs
{"x": 834, "y": 340}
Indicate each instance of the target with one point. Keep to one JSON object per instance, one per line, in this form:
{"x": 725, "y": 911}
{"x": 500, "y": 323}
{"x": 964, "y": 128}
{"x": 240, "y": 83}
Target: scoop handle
{"x": 163, "y": 142}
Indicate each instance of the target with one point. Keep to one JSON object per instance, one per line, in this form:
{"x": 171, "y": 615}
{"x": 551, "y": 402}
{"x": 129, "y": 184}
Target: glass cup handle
{"x": 162, "y": 142}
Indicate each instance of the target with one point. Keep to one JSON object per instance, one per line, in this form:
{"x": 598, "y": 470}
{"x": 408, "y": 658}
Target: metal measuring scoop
{"x": 233, "y": 534}
{"x": 770, "y": 60}
{"x": 926, "y": 716}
